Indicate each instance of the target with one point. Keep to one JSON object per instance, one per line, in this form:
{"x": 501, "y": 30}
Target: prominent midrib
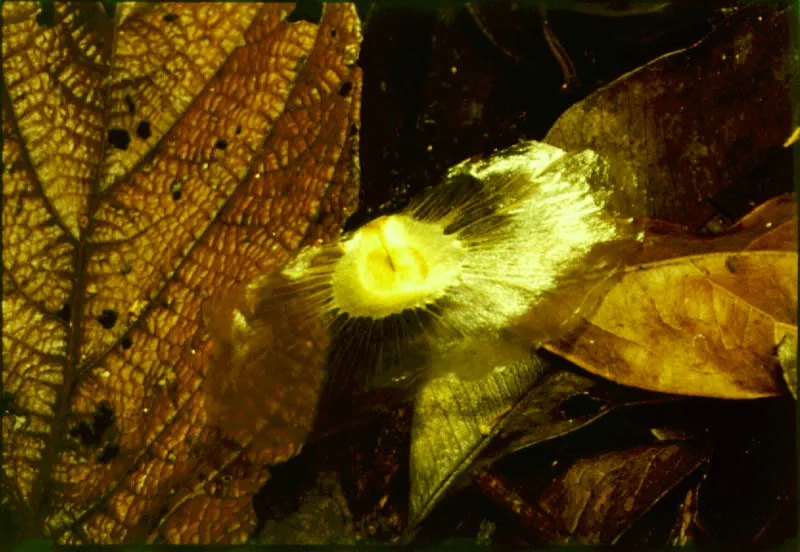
{"x": 71, "y": 369}
{"x": 43, "y": 483}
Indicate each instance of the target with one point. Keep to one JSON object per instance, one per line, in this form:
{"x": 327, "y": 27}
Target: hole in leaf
{"x": 221, "y": 144}
{"x": 109, "y": 453}
{"x": 333, "y": 33}
{"x": 143, "y": 130}
{"x": 170, "y": 17}
{"x": 83, "y": 433}
{"x": 581, "y": 405}
{"x": 103, "y": 418}
{"x": 7, "y": 403}
{"x": 110, "y": 7}
{"x": 125, "y": 270}
{"x": 352, "y": 131}
{"x": 91, "y": 433}
{"x": 107, "y": 318}
{"x": 65, "y": 312}
{"x": 126, "y": 342}
{"x": 306, "y": 10}
{"x": 130, "y": 104}
{"x": 176, "y": 188}
{"x": 347, "y": 86}
{"x": 47, "y": 16}
{"x": 238, "y": 129}
{"x": 119, "y": 138}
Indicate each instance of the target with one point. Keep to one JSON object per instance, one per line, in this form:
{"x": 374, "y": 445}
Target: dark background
{"x": 445, "y": 83}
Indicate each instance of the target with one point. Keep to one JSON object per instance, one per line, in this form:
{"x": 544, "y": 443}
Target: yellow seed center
{"x": 391, "y": 264}
{"x": 395, "y": 263}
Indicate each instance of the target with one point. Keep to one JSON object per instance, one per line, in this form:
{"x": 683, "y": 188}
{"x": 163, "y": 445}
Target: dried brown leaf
{"x": 699, "y": 316}
{"x": 685, "y": 527}
{"x": 696, "y": 121}
{"x": 323, "y": 517}
{"x": 597, "y": 498}
{"x": 151, "y": 163}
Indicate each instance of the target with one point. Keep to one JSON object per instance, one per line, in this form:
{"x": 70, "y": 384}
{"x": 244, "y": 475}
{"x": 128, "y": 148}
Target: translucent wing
{"x": 506, "y": 253}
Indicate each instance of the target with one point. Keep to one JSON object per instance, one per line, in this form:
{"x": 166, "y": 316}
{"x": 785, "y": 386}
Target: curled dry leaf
{"x": 695, "y": 121}
{"x": 151, "y": 163}
{"x": 597, "y": 498}
{"x": 699, "y": 316}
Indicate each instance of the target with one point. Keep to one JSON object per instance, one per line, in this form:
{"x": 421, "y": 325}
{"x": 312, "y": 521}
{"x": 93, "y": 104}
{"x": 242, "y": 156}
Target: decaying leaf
{"x": 597, "y": 498}
{"x": 151, "y": 163}
{"x": 560, "y": 403}
{"x": 695, "y": 121}
{"x": 682, "y": 533}
{"x": 374, "y": 466}
{"x": 699, "y": 316}
{"x": 323, "y": 517}
{"x": 347, "y": 486}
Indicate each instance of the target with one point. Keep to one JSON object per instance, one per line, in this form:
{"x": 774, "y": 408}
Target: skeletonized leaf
{"x": 699, "y": 316}
{"x": 151, "y": 163}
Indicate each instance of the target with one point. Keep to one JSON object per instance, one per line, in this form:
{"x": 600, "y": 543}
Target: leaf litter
{"x": 151, "y": 163}
{"x": 163, "y": 436}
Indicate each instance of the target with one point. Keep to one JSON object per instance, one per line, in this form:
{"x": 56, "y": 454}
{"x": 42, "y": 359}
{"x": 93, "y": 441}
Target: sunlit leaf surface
{"x": 452, "y": 423}
{"x": 709, "y": 312}
{"x": 152, "y": 161}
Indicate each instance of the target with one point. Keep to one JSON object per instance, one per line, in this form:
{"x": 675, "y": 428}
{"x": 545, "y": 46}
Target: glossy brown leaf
{"x": 696, "y": 121}
{"x": 699, "y": 316}
{"x": 151, "y": 163}
{"x": 599, "y": 497}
